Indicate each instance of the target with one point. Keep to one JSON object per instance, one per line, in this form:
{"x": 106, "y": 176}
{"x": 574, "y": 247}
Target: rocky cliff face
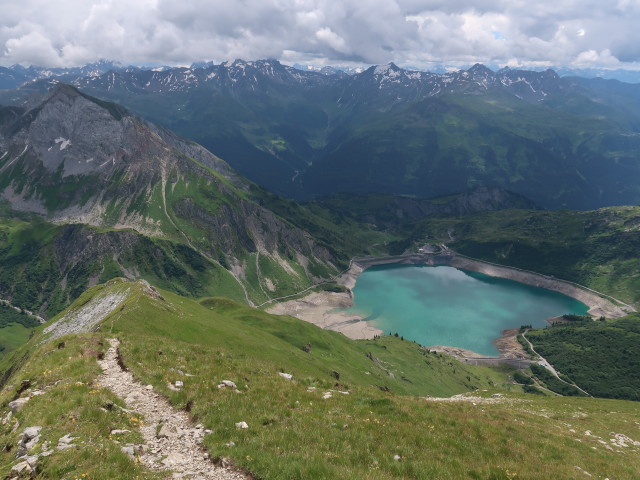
{"x": 76, "y": 159}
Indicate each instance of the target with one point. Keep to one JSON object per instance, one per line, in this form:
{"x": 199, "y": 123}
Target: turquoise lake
{"x": 447, "y": 306}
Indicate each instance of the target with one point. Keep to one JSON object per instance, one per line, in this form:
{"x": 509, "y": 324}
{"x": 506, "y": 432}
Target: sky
{"x": 419, "y": 33}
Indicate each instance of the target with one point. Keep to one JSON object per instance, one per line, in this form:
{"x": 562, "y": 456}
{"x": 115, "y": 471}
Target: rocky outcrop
{"x": 85, "y": 317}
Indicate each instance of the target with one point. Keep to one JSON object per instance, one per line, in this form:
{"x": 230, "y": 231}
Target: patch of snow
{"x": 89, "y": 160}
{"x": 109, "y": 160}
{"x": 64, "y": 143}
{"x": 4, "y": 155}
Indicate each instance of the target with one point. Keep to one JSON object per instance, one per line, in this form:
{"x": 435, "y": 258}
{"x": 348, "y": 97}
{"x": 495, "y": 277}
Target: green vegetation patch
{"x": 603, "y": 357}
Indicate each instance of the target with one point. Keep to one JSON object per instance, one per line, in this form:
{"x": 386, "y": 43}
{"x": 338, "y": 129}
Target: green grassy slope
{"x": 293, "y": 432}
{"x": 603, "y": 357}
{"x": 46, "y": 266}
{"x": 441, "y": 145}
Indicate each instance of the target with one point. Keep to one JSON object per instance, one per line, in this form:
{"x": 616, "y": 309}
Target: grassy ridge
{"x": 71, "y": 405}
{"x": 293, "y": 432}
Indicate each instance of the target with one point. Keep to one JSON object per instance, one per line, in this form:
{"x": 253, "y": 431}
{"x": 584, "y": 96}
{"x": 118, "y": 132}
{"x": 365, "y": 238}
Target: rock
{"x": 116, "y": 432}
{"x": 179, "y": 384}
{"x": 230, "y": 444}
{"x": 65, "y": 442}
{"x": 288, "y": 376}
{"x": 129, "y": 450}
{"x": 35, "y": 393}
{"x": 18, "y": 404}
{"x": 227, "y": 383}
{"x": 7, "y": 418}
{"x": 397, "y": 458}
{"x": 67, "y": 439}
{"x": 165, "y": 431}
{"x": 326, "y": 395}
{"x": 174, "y": 459}
{"x": 22, "y": 467}
{"x": 28, "y": 439}
{"x": 31, "y": 432}
{"x": 242, "y": 425}
{"x": 149, "y": 387}
{"x": 497, "y": 395}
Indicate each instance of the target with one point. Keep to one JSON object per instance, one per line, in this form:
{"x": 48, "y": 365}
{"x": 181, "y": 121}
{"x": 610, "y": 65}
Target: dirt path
{"x": 173, "y": 444}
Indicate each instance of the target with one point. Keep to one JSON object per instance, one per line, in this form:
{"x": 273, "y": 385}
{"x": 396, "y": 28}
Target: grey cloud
{"x": 71, "y": 32}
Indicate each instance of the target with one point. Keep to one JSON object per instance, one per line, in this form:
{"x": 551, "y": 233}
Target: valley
{"x": 172, "y": 271}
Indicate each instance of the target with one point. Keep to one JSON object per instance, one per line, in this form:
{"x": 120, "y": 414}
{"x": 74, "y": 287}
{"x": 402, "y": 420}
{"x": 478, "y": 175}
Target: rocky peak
{"x": 480, "y": 70}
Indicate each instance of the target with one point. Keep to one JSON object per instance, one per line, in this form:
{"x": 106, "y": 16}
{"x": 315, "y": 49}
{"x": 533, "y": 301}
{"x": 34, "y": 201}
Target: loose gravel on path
{"x": 172, "y": 443}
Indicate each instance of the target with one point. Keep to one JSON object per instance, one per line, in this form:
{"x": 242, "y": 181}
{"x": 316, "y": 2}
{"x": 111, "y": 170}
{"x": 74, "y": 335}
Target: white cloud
{"x": 568, "y": 32}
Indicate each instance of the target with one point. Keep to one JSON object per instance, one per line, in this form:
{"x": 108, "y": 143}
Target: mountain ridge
{"x": 76, "y": 159}
{"x": 562, "y": 142}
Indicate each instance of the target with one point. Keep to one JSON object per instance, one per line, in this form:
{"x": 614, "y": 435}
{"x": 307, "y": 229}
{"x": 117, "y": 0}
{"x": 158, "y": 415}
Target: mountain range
{"x": 91, "y": 190}
{"x": 563, "y": 142}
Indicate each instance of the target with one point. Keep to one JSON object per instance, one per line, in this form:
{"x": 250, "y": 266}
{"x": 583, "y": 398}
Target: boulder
{"x": 227, "y": 383}
{"x": 18, "y": 404}
{"x": 28, "y": 439}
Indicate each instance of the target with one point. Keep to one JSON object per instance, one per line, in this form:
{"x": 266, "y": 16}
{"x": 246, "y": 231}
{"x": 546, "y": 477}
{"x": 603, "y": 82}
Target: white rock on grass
{"x": 179, "y": 384}
{"x": 129, "y": 450}
{"x": 66, "y": 442}
{"x": 242, "y": 425}
{"x": 7, "y": 418}
{"x": 227, "y": 383}
{"x": 28, "y": 439}
{"x": 18, "y": 404}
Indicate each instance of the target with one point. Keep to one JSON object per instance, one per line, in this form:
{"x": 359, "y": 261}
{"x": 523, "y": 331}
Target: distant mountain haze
{"x": 563, "y": 142}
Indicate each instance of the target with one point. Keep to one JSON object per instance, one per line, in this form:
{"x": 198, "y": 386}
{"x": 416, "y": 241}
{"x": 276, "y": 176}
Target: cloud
{"x": 417, "y": 32}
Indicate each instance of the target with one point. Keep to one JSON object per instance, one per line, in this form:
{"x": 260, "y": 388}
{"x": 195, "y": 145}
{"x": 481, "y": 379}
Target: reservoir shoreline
{"x": 320, "y": 307}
